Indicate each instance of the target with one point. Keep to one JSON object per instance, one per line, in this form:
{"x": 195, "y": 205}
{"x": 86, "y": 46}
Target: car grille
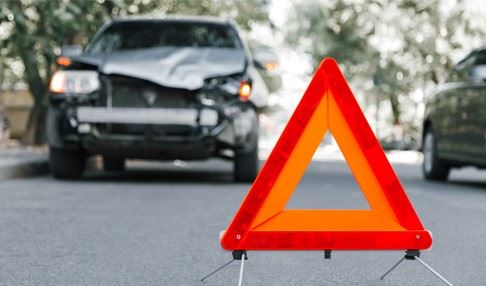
{"x": 122, "y": 92}
{"x": 129, "y": 92}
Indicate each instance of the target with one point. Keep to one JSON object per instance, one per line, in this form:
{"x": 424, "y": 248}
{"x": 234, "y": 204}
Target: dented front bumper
{"x": 159, "y": 133}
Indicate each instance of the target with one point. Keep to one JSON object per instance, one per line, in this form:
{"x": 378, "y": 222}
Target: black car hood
{"x": 172, "y": 67}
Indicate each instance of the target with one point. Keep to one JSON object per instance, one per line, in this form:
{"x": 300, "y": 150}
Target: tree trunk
{"x": 35, "y": 132}
{"x": 3, "y": 120}
{"x": 395, "y": 105}
{"x": 24, "y": 40}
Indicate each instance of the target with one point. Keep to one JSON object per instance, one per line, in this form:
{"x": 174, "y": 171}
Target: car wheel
{"x": 246, "y": 165}
{"x": 432, "y": 167}
{"x": 113, "y": 163}
{"x": 66, "y": 164}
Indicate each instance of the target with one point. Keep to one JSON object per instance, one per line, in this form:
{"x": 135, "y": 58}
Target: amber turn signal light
{"x": 245, "y": 90}
{"x": 63, "y": 61}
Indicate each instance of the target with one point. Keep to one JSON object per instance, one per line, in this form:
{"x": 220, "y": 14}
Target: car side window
{"x": 460, "y": 73}
{"x": 480, "y": 58}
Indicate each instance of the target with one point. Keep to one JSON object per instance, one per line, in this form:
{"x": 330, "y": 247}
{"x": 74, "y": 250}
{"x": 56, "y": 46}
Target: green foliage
{"x": 330, "y": 28}
{"x": 245, "y": 13}
{"x": 404, "y": 45}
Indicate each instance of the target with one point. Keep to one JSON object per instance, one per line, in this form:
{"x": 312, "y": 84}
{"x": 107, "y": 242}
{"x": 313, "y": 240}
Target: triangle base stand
{"x": 237, "y": 255}
{"x": 415, "y": 255}
{"x": 409, "y": 255}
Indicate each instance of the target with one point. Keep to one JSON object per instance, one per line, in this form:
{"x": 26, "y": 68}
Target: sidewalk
{"x": 18, "y": 161}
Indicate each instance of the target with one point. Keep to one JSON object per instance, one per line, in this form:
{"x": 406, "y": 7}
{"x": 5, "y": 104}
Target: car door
{"x": 480, "y": 108}
{"x": 475, "y": 123}
{"x": 476, "y": 109}
{"x": 444, "y": 107}
{"x": 456, "y": 125}
{"x": 468, "y": 135}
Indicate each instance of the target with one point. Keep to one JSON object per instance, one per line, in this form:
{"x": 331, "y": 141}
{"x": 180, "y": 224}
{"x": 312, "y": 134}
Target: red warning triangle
{"x": 262, "y": 223}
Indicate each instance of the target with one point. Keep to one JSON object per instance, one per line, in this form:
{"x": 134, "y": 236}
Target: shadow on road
{"x": 456, "y": 182}
{"x": 216, "y": 172}
{"x": 474, "y": 184}
{"x": 211, "y": 172}
{"x": 170, "y": 176}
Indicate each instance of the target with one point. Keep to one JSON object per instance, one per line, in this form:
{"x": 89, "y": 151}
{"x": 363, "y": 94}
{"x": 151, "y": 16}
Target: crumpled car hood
{"x": 172, "y": 67}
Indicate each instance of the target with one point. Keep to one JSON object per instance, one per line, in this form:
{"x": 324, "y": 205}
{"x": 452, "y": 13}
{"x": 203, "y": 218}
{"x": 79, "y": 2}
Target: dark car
{"x": 158, "y": 89}
{"x": 454, "y": 130}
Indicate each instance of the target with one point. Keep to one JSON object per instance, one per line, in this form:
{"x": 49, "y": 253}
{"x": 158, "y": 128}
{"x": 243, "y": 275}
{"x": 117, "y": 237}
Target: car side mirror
{"x": 266, "y": 59}
{"x": 71, "y": 50}
{"x": 478, "y": 73}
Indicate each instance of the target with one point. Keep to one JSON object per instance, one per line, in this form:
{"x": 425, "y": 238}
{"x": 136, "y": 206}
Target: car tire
{"x": 433, "y": 168}
{"x": 246, "y": 165}
{"x": 66, "y": 164}
{"x": 113, "y": 164}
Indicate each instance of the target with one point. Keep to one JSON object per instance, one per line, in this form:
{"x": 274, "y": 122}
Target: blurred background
{"x": 394, "y": 53}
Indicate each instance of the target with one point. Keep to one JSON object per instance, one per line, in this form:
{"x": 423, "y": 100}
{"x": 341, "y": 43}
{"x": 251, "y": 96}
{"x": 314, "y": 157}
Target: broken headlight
{"x": 218, "y": 88}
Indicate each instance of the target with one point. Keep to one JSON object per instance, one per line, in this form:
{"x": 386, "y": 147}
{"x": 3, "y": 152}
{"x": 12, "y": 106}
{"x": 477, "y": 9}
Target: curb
{"x": 29, "y": 168}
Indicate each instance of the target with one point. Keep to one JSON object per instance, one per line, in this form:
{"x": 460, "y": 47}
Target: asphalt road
{"x": 159, "y": 224}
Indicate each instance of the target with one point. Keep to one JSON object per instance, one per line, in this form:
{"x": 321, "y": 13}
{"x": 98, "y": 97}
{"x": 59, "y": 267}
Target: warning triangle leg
{"x": 433, "y": 271}
{"x": 415, "y": 255}
{"x": 237, "y": 255}
{"x": 242, "y": 268}
{"x": 393, "y": 267}
{"x": 217, "y": 270}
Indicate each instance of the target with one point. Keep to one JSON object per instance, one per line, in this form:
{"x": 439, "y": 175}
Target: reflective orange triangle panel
{"x": 262, "y": 223}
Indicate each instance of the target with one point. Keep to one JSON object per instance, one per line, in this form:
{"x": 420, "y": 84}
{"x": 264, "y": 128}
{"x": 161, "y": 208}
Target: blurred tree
{"x": 330, "y": 28}
{"x": 31, "y": 31}
{"x": 407, "y": 44}
{"x": 243, "y": 12}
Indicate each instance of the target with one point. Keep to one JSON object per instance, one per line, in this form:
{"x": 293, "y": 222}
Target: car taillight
{"x": 245, "y": 90}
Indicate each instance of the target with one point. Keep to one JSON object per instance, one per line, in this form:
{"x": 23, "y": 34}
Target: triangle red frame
{"x": 262, "y": 223}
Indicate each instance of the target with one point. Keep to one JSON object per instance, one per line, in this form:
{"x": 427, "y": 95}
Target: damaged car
{"x": 156, "y": 89}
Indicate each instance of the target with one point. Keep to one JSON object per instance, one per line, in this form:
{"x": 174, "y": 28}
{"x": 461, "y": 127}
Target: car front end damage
{"x": 134, "y": 118}
{"x": 158, "y": 89}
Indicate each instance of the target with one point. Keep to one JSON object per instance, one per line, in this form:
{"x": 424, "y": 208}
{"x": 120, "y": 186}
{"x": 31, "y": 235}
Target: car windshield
{"x": 123, "y": 36}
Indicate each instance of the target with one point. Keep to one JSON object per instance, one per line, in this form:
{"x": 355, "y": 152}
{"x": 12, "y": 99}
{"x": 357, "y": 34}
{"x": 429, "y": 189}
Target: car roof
{"x": 173, "y": 18}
